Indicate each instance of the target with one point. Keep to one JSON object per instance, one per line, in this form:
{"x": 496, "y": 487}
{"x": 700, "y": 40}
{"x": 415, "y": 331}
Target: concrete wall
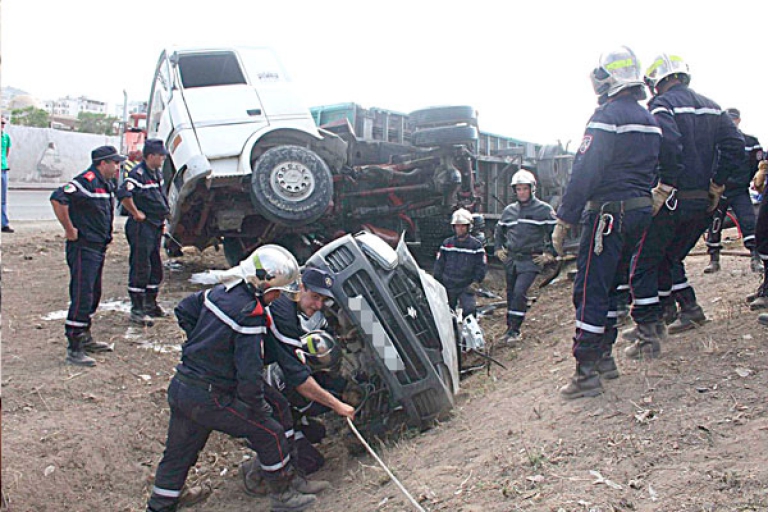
{"x": 42, "y": 157}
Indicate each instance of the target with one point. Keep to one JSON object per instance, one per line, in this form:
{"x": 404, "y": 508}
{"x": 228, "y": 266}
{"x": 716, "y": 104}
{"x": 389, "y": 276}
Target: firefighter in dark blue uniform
{"x": 736, "y": 197}
{"x": 85, "y": 207}
{"x": 142, "y": 194}
{"x": 219, "y": 384}
{"x": 287, "y": 353}
{"x": 610, "y": 194}
{"x": 759, "y": 300}
{"x": 701, "y": 149}
{"x": 461, "y": 262}
{"x": 523, "y": 242}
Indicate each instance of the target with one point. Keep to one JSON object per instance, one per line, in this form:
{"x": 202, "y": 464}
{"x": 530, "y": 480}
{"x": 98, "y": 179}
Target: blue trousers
{"x": 86, "y": 263}
{"x": 196, "y": 412}
{"x": 741, "y": 204}
{"x": 5, "y": 199}
{"x": 145, "y": 265}
{"x": 595, "y": 290}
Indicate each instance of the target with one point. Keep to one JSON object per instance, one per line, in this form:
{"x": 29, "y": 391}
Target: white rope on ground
{"x": 381, "y": 463}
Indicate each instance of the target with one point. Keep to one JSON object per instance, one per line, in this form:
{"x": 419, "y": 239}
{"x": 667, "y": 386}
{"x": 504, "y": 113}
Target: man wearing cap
{"x": 6, "y": 150}
{"x": 736, "y": 196}
{"x": 142, "y": 195}
{"x": 84, "y": 207}
{"x": 283, "y": 347}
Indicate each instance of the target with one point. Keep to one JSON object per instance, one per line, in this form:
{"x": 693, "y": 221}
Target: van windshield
{"x": 208, "y": 70}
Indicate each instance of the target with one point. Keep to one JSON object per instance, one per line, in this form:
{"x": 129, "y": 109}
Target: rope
{"x": 381, "y": 463}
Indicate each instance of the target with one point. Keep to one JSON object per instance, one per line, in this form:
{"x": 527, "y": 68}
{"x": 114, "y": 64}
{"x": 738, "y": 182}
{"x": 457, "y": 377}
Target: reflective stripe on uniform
{"x": 459, "y": 249}
{"x": 165, "y": 493}
{"x": 529, "y": 221}
{"x": 73, "y": 323}
{"x": 142, "y": 185}
{"x": 645, "y": 302}
{"x": 88, "y": 192}
{"x": 697, "y": 111}
{"x": 624, "y": 128}
{"x": 280, "y": 336}
{"x": 680, "y": 286}
{"x": 229, "y": 322}
{"x": 515, "y": 313}
{"x": 276, "y": 467}
{"x": 597, "y": 329}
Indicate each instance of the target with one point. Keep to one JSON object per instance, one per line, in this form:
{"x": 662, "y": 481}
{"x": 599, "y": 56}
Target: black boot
{"x": 92, "y": 346}
{"x": 648, "y": 344}
{"x": 755, "y": 262}
{"x": 151, "y": 307}
{"x": 284, "y": 498}
{"x": 585, "y": 382}
{"x": 714, "y": 263}
{"x": 670, "y": 312}
{"x": 76, "y": 350}
{"x": 691, "y": 316}
{"x": 606, "y": 366}
{"x": 138, "y": 315}
{"x": 513, "y": 329}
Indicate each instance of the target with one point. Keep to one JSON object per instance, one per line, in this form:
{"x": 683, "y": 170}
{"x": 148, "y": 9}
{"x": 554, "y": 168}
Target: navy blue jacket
{"x": 146, "y": 188}
{"x": 525, "y": 229}
{"x": 617, "y": 158}
{"x": 460, "y": 262}
{"x": 743, "y": 176}
{"x": 700, "y": 141}
{"x": 91, "y": 205}
{"x": 225, "y": 341}
{"x": 284, "y": 339}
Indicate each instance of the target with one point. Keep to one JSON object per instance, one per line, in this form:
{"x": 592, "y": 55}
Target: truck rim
{"x": 292, "y": 181}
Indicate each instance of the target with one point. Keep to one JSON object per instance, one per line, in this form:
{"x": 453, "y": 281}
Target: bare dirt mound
{"x": 686, "y": 432}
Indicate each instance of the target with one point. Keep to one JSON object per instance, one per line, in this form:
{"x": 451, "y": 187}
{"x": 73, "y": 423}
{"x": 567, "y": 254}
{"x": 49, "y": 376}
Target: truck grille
{"x": 413, "y": 305}
{"x": 360, "y": 284}
{"x": 340, "y": 258}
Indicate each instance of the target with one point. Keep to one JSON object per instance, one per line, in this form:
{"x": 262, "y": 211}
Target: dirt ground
{"x": 688, "y": 431}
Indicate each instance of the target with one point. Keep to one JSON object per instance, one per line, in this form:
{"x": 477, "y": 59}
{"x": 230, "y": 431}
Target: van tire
{"x": 291, "y": 185}
{"x": 444, "y": 136}
{"x": 442, "y": 116}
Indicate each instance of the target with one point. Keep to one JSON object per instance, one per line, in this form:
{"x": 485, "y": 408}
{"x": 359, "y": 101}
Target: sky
{"x": 524, "y": 66}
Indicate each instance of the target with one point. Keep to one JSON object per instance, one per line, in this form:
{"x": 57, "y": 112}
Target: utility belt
{"x": 692, "y": 194}
{"x": 606, "y": 211}
{"x": 198, "y": 383}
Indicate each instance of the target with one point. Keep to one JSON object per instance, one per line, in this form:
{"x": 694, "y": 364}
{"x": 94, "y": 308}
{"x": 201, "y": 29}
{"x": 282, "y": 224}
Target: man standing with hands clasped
{"x": 143, "y": 196}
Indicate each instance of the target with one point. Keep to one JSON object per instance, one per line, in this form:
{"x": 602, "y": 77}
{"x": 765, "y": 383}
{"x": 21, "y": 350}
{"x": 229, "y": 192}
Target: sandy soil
{"x": 687, "y": 432}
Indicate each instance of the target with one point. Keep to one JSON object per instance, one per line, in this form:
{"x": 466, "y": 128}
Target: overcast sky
{"x": 523, "y": 65}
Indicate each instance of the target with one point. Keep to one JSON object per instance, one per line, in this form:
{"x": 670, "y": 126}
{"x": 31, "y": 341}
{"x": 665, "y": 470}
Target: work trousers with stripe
{"x": 86, "y": 263}
{"x": 520, "y": 276}
{"x": 463, "y": 297}
{"x": 145, "y": 265}
{"x": 657, "y": 267}
{"x": 761, "y": 231}
{"x": 741, "y": 204}
{"x": 595, "y": 290}
{"x": 196, "y": 412}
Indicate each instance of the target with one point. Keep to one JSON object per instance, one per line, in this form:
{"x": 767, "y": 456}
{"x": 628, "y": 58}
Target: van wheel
{"x": 444, "y": 136}
{"x": 443, "y": 116}
{"x": 291, "y": 185}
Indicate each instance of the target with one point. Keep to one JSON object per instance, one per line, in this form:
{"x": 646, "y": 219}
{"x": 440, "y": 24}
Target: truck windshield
{"x": 208, "y": 70}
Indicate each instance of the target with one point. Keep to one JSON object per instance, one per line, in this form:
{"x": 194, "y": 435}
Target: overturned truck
{"x": 248, "y": 165}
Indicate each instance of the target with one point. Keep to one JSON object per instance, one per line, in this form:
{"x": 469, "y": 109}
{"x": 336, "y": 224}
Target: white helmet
{"x": 617, "y": 70}
{"x": 461, "y": 216}
{"x": 667, "y": 65}
{"x": 270, "y": 267}
{"x": 525, "y": 177}
{"x": 319, "y": 350}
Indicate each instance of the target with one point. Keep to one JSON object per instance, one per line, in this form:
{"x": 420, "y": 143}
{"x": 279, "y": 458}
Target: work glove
{"x": 715, "y": 191}
{"x": 762, "y": 171}
{"x": 543, "y": 259}
{"x": 501, "y": 254}
{"x": 660, "y": 193}
{"x": 558, "y": 236}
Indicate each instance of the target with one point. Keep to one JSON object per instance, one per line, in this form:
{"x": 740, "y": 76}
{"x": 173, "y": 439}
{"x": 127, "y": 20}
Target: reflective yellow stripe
{"x": 626, "y": 63}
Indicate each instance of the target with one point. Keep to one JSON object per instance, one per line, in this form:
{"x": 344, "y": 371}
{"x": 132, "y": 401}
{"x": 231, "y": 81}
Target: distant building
{"x": 134, "y": 107}
{"x": 71, "y": 107}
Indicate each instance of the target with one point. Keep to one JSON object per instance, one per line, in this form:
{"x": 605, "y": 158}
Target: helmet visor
{"x": 290, "y": 290}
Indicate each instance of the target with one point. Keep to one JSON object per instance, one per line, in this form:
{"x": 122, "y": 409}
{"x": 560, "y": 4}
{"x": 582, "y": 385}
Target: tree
{"x": 88, "y": 122}
{"x": 31, "y": 116}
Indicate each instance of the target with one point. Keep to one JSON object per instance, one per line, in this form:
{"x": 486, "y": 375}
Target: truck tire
{"x": 441, "y": 116}
{"x": 444, "y": 136}
{"x": 291, "y": 185}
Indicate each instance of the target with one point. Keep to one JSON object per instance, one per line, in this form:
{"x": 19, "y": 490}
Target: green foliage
{"x": 31, "y": 116}
{"x": 88, "y": 122}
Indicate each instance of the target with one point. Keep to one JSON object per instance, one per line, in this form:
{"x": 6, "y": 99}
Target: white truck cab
{"x": 241, "y": 142}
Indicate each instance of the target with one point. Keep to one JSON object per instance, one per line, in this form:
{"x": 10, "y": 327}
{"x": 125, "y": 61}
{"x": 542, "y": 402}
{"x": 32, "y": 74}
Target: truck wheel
{"x": 441, "y": 116}
{"x": 444, "y": 136}
{"x": 291, "y": 185}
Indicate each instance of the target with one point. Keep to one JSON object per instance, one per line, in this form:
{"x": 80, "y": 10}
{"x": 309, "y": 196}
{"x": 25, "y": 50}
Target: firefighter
{"x": 610, "y": 194}
{"x": 701, "y": 149}
{"x": 219, "y": 384}
{"x": 461, "y": 263}
{"x": 736, "y": 196}
{"x": 142, "y": 194}
{"x": 523, "y": 242}
{"x": 291, "y": 356}
{"x": 84, "y": 207}
{"x": 759, "y": 300}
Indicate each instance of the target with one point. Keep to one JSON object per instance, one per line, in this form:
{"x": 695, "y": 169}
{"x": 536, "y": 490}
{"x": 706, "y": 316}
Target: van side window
{"x": 209, "y": 70}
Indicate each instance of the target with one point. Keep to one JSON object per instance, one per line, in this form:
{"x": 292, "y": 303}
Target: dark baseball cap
{"x": 733, "y": 113}
{"x": 318, "y": 281}
{"x": 106, "y": 153}
{"x": 154, "y": 147}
